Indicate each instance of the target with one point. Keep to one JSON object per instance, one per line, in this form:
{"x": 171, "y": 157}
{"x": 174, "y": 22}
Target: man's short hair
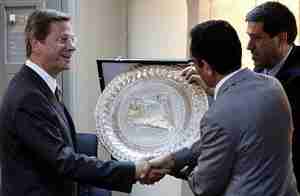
{"x": 276, "y": 18}
{"x": 217, "y": 42}
{"x": 38, "y": 25}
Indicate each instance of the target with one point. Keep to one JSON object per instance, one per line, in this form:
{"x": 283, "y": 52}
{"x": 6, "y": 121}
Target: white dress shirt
{"x": 50, "y": 81}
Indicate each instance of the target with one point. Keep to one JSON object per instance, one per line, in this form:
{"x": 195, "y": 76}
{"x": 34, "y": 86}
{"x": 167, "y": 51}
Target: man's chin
{"x": 67, "y": 66}
{"x": 257, "y": 63}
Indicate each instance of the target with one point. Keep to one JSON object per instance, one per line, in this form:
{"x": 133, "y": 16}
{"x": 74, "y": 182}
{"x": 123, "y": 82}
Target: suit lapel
{"x": 59, "y": 110}
{"x": 72, "y": 127}
{"x": 289, "y": 64}
{"x": 67, "y": 128}
{"x": 57, "y": 107}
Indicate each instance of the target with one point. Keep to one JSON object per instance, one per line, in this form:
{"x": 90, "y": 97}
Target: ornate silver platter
{"x": 148, "y": 112}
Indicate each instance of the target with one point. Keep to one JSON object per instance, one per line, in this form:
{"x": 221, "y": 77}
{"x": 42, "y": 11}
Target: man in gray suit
{"x": 245, "y": 144}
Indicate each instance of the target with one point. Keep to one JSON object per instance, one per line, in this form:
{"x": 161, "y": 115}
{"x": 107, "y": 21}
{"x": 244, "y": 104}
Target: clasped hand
{"x": 153, "y": 170}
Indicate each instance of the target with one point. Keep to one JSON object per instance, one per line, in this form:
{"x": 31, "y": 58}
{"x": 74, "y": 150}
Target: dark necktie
{"x": 61, "y": 109}
{"x": 58, "y": 94}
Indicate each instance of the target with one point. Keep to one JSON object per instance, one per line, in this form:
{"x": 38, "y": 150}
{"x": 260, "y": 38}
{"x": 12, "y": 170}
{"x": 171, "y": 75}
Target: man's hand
{"x": 151, "y": 171}
{"x": 159, "y": 167}
{"x": 147, "y": 175}
{"x": 192, "y": 76}
{"x": 165, "y": 162}
{"x": 142, "y": 168}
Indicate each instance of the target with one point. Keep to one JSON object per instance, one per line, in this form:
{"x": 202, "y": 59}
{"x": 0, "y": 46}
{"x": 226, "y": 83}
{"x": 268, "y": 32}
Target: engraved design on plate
{"x": 148, "y": 112}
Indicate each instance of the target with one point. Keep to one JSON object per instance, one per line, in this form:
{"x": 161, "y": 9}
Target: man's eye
{"x": 255, "y": 38}
{"x": 64, "y": 40}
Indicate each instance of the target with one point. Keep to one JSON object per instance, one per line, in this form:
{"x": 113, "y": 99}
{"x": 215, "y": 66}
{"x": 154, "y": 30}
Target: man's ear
{"x": 207, "y": 68}
{"x": 35, "y": 45}
{"x": 283, "y": 37}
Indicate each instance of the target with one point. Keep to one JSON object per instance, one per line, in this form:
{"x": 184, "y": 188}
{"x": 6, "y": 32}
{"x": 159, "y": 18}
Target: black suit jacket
{"x": 38, "y": 145}
{"x": 289, "y": 76}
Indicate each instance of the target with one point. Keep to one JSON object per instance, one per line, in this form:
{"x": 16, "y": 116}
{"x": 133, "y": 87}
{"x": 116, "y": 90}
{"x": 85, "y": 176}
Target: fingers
{"x": 145, "y": 174}
{"x": 162, "y": 162}
{"x": 154, "y": 170}
{"x": 193, "y": 77}
{"x": 188, "y": 72}
{"x": 142, "y": 168}
{"x": 153, "y": 176}
{"x": 156, "y": 163}
{"x": 196, "y": 79}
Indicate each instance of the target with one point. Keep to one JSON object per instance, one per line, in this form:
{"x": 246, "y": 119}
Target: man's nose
{"x": 72, "y": 46}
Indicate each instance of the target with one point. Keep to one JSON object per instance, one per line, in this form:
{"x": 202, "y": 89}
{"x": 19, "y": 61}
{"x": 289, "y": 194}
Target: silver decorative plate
{"x": 148, "y": 112}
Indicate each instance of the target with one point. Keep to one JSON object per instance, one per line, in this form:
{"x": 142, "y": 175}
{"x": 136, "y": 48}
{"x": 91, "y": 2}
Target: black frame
{"x": 137, "y": 61}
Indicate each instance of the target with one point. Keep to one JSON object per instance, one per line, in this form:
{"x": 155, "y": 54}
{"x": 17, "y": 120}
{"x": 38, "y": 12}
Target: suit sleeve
{"x": 209, "y": 162}
{"x": 37, "y": 128}
{"x": 292, "y": 90}
{"x": 292, "y": 87}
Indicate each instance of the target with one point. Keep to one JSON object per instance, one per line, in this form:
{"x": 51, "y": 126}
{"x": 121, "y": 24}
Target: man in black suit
{"x": 272, "y": 30}
{"x": 38, "y": 146}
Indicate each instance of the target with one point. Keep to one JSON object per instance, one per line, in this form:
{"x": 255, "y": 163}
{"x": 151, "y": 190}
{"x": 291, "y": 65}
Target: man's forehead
{"x": 61, "y": 24}
{"x": 255, "y": 27}
{"x": 63, "y": 27}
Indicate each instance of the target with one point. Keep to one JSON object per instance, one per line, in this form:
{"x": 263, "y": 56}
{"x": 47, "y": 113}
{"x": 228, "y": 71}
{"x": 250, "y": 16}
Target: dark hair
{"x": 38, "y": 25}
{"x": 276, "y": 18}
{"x": 217, "y": 42}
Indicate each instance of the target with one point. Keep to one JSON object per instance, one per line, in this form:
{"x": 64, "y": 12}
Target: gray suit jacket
{"x": 244, "y": 147}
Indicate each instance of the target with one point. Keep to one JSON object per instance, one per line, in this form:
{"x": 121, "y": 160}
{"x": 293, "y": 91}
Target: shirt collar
{"x": 50, "y": 81}
{"x": 221, "y": 82}
{"x": 277, "y": 67}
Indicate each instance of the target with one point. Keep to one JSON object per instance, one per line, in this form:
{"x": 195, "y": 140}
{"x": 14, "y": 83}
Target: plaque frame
{"x": 123, "y": 65}
{"x": 120, "y": 63}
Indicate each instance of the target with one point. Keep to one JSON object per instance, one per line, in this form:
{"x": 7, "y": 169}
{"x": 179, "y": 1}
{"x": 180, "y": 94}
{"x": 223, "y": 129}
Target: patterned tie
{"x": 58, "y": 94}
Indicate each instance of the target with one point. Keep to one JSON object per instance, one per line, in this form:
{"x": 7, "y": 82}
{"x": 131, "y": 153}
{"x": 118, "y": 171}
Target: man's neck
{"x": 284, "y": 52}
{"x": 38, "y": 61}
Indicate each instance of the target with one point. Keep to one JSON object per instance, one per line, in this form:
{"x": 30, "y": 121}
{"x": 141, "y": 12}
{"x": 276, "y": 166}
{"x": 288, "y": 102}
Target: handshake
{"x": 152, "y": 170}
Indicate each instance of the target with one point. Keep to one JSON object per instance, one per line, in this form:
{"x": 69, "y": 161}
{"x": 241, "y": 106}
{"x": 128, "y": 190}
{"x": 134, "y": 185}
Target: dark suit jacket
{"x": 289, "y": 76}
{"x": 38, "y": 146}
{"x": 245, "y": 144}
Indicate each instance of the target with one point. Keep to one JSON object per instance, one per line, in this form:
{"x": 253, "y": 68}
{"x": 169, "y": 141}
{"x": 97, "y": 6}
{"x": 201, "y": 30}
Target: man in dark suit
{"x": 272, "y": 29}
{"x": 38, "y": 145}
{"x": 245, "y": 143}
